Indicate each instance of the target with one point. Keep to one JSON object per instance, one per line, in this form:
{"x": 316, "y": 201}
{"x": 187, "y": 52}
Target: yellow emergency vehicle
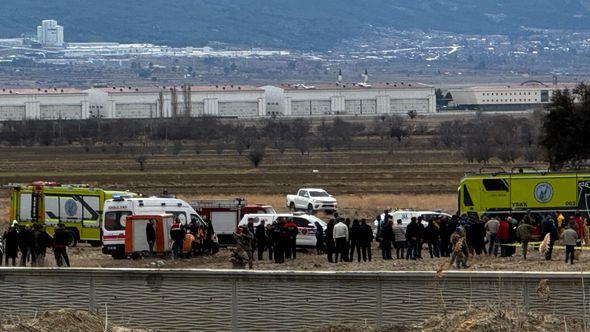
{"x": 79, "y": 207}
{"x": 523, "y": 190}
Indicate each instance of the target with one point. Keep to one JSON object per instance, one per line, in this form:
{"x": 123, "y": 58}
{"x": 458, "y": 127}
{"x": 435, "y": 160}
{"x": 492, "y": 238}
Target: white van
{"x": 305, "y": 223}
{"x": 116, "y": 211}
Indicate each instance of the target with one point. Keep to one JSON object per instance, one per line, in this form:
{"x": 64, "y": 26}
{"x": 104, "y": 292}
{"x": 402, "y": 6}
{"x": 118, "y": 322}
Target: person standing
{"x": 420, "y": 238}
{"x": 292, "y": 232}
{"x": 150, "y": 235}
{"x": 26, "y": 244}
{"x": 11, "y": 244}
{"x": 412, "y": 238}
{"x": 341, "y": 238}
{"x": 261, "y": 240}
{"x": 177, "y": 236}
{"x": 209, "y": 233}
{"x": 42, "y": 242}
{"x": 524, "y": 232}
{"x": 399, "y": 236}
{"x": 1, "y": 249}
{"x": 244, "y": 238}
{"x": 460, "y": 251}
{"x": 270, "y": 239}
{"x": 319, "y": 238}
{"x": 330, "y": 243}
{"x": 387, "y": 238}
{"x": 279, "y": 234}
{"x": 569, "y": 237}
{"x": 503, "y": 234}
{"x": 550, "y": 228}
{"x": 355, "y": 240}
{"x": 61, "y": 238}
{"x": 366, "y": 240}
{"x": 432, "y": 237}
{"x": 491, "y": 227}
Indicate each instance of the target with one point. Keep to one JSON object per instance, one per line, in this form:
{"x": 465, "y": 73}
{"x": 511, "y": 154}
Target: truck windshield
{"x": 318, "y": 194}
{"x": 115, "y": 220}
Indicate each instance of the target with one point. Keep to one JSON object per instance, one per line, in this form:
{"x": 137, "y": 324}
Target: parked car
{"x": 312, "y": 199}
{"x": 305, "y": 223}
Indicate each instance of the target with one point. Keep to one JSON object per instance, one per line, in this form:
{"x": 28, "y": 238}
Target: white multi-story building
{"x": 349, "y": 98}
{"x": 506, "y": 97}
{"x": 50, "y": 34}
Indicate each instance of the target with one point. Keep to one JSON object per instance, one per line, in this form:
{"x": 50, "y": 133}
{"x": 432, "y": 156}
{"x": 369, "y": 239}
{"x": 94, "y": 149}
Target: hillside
{"x": 297, "y": 24}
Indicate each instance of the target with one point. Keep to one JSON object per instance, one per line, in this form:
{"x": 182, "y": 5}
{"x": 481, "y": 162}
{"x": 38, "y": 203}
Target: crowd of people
{"x": 28, "y": 245}
{"x": 458, "y": 238}
{"x": 188, "y": 240}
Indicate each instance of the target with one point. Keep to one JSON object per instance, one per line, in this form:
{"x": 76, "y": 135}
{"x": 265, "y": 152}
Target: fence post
{"x": 91, "y": 296}
{"x": 234, "y": 305}
{"x": 379, "y": 297}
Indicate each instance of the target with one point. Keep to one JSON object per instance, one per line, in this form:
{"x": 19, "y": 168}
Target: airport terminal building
{"x": 236, "y": 101}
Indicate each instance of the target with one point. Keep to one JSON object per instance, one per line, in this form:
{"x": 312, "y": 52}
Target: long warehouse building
{"x": 241, "y": 101}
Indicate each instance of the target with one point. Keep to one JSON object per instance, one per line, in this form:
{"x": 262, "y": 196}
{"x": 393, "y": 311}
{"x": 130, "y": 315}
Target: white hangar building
{"x": 349, "y": 98}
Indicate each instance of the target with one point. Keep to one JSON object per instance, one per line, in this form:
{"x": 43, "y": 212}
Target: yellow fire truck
{"x": 78, "y": 207}
{"x": 524, "y": 190}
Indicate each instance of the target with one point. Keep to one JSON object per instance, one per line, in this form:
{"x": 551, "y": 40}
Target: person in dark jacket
{"x": 177, "y": 235}
{"x": 412, "y": 234}
{"x": 261, "y": 240}
{"x": 319, "y": 238}
{"x": 420, "y": 239}
{"x": 252, "y": 230}
{"x": 280, "y": 239}
{"x": 61, "y": 238}
{"x": 209, "y": 232}
{"x": 550, "y": 228}
{"x": 432, "y": 237}
{"x": 26, "y": 244}
{"x": 42, "y": 242}
{"x": 11, "y": 245}
{"x": 150, "y": 235}
{"x": 355, "y": 240}
{"x": 387, "y": 238}
{"x": 292, "y": 231}
{"x": 270, "y": 239}
{"x": 366, "y": 240}
{"x": 330, "y": 244}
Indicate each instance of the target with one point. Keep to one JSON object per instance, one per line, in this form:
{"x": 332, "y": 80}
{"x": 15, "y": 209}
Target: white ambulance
{"x": 116, "y": 211}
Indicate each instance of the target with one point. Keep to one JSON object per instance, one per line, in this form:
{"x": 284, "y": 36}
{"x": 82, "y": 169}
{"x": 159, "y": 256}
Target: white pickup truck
{"x": 312, "y": 199}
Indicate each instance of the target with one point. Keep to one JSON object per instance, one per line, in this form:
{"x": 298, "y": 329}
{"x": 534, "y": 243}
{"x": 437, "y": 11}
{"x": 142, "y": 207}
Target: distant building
{"x": 50, "y": 34}
{"x": 349, "y": 99}
{"x": 506, "y": 97}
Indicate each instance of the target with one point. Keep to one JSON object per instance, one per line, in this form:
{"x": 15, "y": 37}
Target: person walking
{"x": 491, "y": 226}
{"x": 569, "y": 237}
{"x": 387, "y": 238}
{"x": 524, "y": 232}
{"x": 292, "y": 232}
{"x": 261, "y": 240}
{"x": 330, "y": 242}
{"x": 341, "y": 238}
{"x": 366, "y": 240}
{"x": 399, "y": 236}
{"x": 11, "y": 244}
{"x": 319, "y": 238}
{"x": 356, "y": 233}
{"x": 61, "y": 238}
{"x": 150, "y": 235}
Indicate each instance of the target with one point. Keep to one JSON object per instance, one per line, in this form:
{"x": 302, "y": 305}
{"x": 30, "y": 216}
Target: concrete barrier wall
{"x": 226, "y": 300}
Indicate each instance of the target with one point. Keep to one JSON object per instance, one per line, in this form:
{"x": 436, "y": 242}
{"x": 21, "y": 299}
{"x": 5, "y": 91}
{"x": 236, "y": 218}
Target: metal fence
{"x": 234, "y": 300}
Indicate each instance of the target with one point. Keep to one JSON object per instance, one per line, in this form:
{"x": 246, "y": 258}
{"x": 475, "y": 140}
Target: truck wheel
{"x": 309, "y": 208}
{"x": 74, "y": 237}
{"x": 292, "y": 207}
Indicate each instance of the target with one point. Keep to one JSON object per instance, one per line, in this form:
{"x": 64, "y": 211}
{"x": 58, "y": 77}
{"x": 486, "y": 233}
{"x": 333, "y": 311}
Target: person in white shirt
{"x": 341, "y": 238}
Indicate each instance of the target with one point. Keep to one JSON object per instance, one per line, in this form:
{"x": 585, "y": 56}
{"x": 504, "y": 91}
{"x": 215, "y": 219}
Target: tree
{"x": 256, "y": 154}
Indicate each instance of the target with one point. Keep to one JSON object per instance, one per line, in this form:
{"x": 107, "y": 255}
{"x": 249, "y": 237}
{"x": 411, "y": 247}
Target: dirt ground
{"x": 62, "y": 321}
